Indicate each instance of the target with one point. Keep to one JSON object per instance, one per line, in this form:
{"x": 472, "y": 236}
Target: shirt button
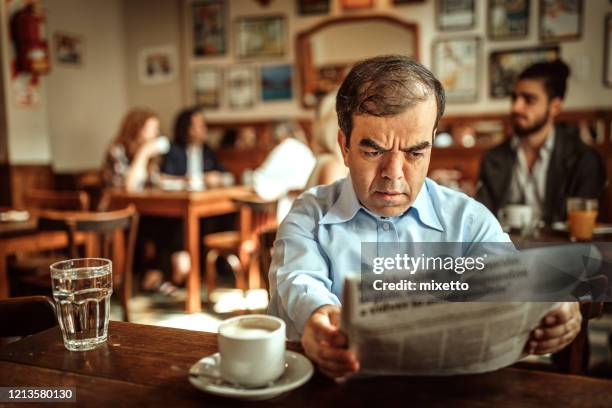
{"x": 385, "y": 226}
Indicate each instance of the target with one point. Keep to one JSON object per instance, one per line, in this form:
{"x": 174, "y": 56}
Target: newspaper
{"x": 411, "y": 335}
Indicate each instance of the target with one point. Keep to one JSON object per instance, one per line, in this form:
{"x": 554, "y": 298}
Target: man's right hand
{"x": 325, "y": 343}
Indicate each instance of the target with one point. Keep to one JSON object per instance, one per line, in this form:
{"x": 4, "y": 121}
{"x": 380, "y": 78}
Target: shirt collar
{"x": 347, "y": 205}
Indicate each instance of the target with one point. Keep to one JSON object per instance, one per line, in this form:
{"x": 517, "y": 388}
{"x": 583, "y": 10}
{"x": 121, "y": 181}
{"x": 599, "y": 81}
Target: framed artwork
{"x": 208, "y": 25}
{"x": 397, "y": 2}
{"x": 560, "y": 19}
{"x": 508, "y": 19}
{"x": 157, "y": 65}
{"x": 505, "y": 66}
{"x": 455, "y": 14}
{"x": 241, "y": 86}
{"x": 69, "y": 49}
{"x": 356, "y": 4}
{"x": 207, "y": 85}
{"x": 455, "y": 64}
{"x": 608, "y": 51}
{"x": 260, "y": 36}
{"x": 306, "y": 7}
{"x": 276, "y": 82}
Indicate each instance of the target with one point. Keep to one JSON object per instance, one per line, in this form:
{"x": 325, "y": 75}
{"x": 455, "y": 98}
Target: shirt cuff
{"x": 308, "y": 303}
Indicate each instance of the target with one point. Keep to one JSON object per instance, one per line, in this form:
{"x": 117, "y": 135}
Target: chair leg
{"x": 210, "y": 272}
{"x": 238, "y": 270}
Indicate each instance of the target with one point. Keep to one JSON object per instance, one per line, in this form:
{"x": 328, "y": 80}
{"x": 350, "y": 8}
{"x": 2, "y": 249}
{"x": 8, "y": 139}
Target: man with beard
{"x": 388, "y": 110}
{"x": 541, "y": 164}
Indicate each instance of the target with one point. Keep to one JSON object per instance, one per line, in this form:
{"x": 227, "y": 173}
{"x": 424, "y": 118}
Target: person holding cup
{"x": 131, "y": 158}
{"x": 541, "y": 164}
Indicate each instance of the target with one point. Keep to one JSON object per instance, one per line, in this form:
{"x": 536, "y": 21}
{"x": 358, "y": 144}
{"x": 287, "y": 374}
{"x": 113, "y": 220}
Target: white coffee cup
{"x": 252, "y": 349}
{"x": 163, "y": 144}
{"x": 516, "y": 216}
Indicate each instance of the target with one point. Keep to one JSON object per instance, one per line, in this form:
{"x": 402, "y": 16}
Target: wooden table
{"x": 147, "y": 366}
{"x": 23, "y": 237}
{"x": 190, "y": 206}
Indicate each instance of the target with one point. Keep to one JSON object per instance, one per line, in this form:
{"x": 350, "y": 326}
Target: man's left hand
{"x": 556, "y": 330}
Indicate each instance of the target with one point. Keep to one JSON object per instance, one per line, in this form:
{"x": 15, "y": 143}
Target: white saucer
{"x": 298, "y": 370}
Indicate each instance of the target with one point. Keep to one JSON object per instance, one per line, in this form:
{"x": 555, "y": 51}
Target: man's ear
{"x": 555, "y": 106}
{"x": 343, "y": 146}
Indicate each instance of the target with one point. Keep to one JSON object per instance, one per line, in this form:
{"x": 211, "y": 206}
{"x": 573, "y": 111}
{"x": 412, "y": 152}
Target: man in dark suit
{"x": 541, "y": 164}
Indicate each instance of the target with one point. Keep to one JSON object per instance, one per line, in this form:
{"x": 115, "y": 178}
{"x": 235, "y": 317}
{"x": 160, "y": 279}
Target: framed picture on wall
{"x": 455, "y": 14}
{"x": 276, "y": 82}
{"x": 260, "y": 37}
{"x": 505, "y": 66}
{"x": 356, "y": 4}
{"x": 608, "y": 51}
{"x": 306, "y": 7}
{"x": 560, "y": 20}
{"x": 455, "y": 64}
{"x": 207, "y": 85}
{"x": 508, "y": 19}
{"x": 241, "y": 86}
{"x": 157, "y": 65}
{"x": 69, "y": 49}
{"x": 208, "y": 25}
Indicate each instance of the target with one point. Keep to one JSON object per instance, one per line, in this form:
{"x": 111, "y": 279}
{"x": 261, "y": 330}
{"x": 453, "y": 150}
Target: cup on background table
{"x": 82, "y": 289}
{"x": 516, "y": 216}
{"x": 252, "y": 349}
{"x": 581, "y": 216}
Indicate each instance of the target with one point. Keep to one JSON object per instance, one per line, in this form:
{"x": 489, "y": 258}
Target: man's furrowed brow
{"x": 371, "y": 144}
{"x": 417, "y": 147}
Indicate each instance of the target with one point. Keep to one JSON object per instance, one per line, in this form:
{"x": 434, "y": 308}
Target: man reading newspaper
{"x": 388, "y": 110}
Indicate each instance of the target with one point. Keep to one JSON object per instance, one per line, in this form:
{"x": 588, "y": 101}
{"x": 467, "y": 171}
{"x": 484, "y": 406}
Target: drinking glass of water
{"x": 82, "y": 289}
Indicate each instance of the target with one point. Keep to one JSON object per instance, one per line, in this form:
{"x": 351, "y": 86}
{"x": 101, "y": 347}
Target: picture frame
{"x": 607, "y": 74}
{"x": 312, "y": 7}
{"x": 561, "y": 20}
{"x": 506, "y": 65}
{"x": 261, "y": 36}
{"x": 401, "y": 2}
{"x": 453, "y": 15}
{"x": 356, "y": 4}
{"x": 207, "y": 85}
{"x": 456, "y": 65}
{"x": 276, "y": 82}
{"x": 69, "y": 49}
{"x": 157, "y": 65}
{"x": 208, "y": 24}
{"x": 508, "y": 19}
{"x": 241, "y": 86}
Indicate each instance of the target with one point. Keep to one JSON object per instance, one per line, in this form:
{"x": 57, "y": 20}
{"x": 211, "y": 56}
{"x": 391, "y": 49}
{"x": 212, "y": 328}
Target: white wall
{"x": 27, "y": 128}
{"x": 86, "y": 103}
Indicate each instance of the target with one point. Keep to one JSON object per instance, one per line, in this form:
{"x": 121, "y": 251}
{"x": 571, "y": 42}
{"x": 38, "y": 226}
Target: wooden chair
{"x": 57, "y": 200}
{"x": 23, "y": 316}
{"x": 266, "y": 247}
{"x": 255, "y": 216}
{"x": 115, "y": 237}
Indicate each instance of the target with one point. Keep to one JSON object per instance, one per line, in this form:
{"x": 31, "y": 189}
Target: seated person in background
{"x": 329, "y": 165}
{"x": 189, "y": 154}
{"x": 130, "y": 163}
{"x": 286, "y": 168}
{"x": 130, "y": 158}
{"x": 541, "y": 164}
{"x": 388, "y": 109}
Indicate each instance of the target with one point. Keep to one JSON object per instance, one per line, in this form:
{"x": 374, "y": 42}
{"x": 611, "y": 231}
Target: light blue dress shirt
{"x": 319, "y": 242}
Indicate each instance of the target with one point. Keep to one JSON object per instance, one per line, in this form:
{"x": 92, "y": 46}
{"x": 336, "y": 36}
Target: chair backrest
{"x": 114, "y": 233}
{"x": 57, "y": 200}
{"x": 23, "y": 316}
{"x": 256, "y": 215}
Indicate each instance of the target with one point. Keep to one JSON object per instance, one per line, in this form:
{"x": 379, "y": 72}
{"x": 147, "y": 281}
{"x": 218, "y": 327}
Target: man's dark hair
{"x": 385, "y": 86}
{"x": 553, "y": 74}
{"x": 182, "y": 125}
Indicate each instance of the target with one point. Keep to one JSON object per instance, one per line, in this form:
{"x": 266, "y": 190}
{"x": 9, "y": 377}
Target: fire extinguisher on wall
{"x": 31, "y": 48}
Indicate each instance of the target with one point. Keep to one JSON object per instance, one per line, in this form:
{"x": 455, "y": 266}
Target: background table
{"x": 147, "y": 366}
{"x": 190, "y": 206}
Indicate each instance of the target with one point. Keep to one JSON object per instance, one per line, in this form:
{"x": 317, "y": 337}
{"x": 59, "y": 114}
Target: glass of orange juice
{"x": 581, "y": 216}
